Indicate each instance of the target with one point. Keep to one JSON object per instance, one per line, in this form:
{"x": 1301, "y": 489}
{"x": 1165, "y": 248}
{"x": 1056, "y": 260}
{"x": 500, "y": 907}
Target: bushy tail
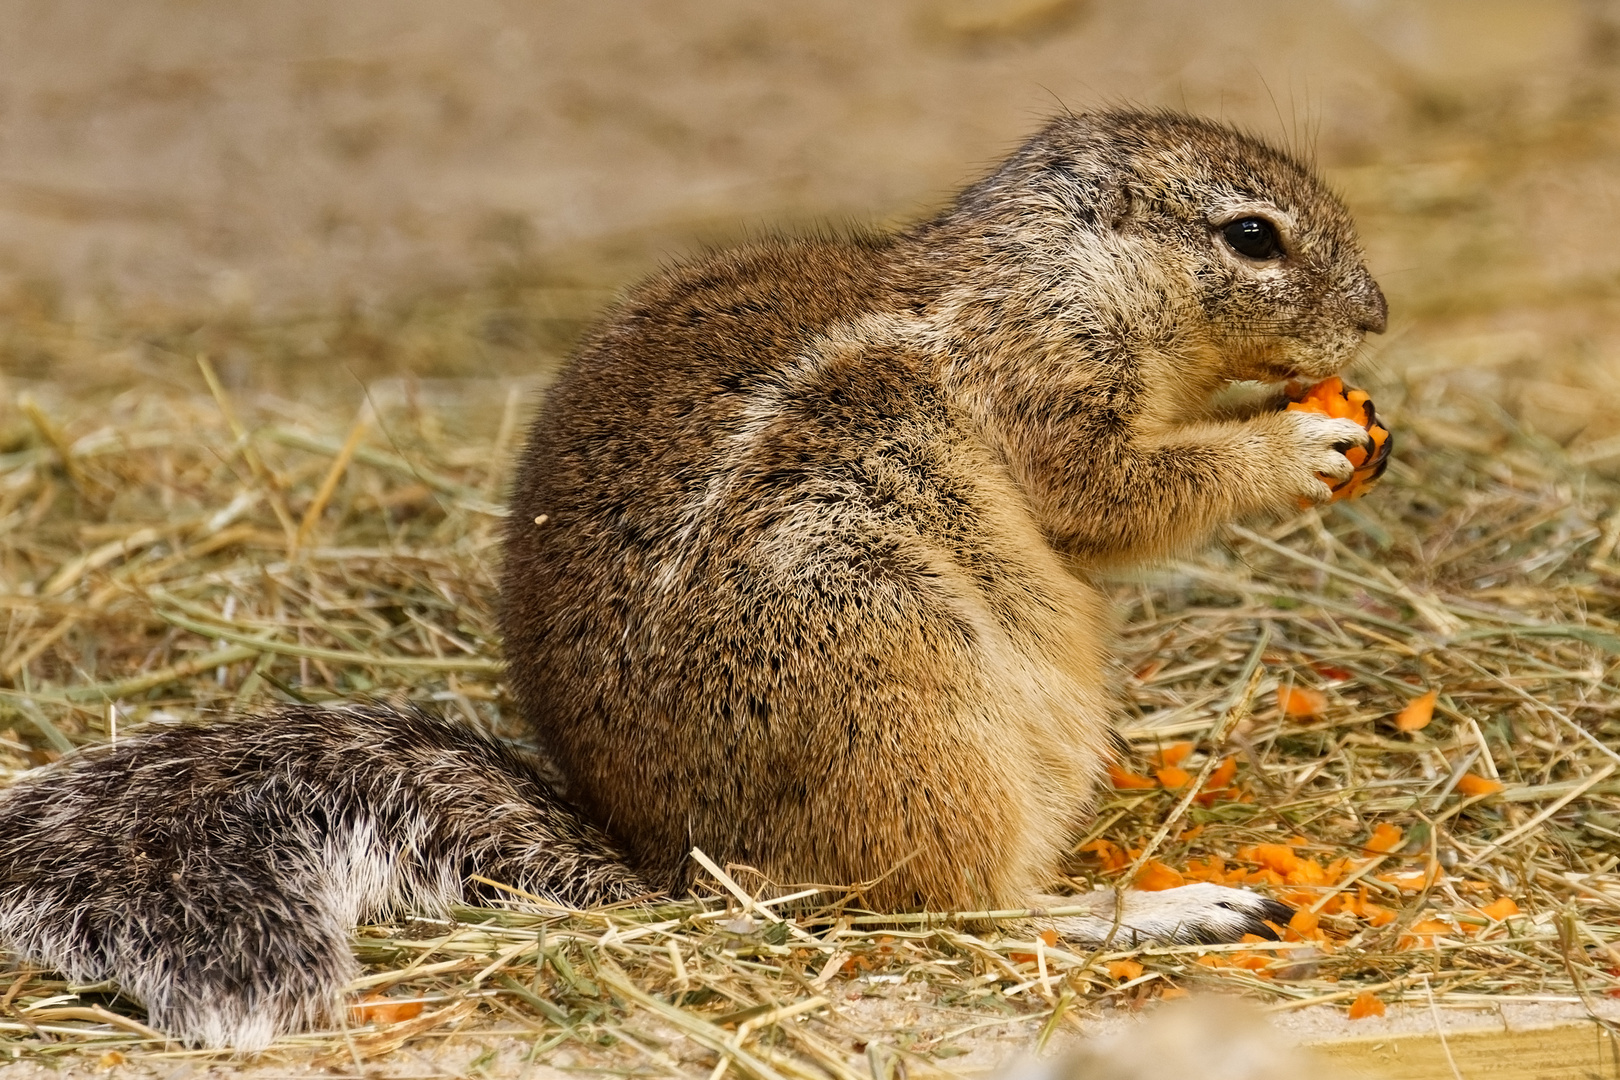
{"x": 215, "y": 872}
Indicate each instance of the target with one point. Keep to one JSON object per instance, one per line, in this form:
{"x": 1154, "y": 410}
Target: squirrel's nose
{"x": 1368, "y": 309}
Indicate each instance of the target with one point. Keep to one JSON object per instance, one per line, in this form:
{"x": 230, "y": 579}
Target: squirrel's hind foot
{"x": 1202, "y": 913}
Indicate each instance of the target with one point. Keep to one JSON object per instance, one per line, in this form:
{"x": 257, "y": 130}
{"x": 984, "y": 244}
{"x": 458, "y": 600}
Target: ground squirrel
{"x": 804, "y": 567}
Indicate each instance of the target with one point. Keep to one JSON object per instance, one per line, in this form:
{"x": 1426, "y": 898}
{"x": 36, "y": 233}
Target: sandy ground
{"x": 201, "y": 152}
{"x": 207, "y": 159}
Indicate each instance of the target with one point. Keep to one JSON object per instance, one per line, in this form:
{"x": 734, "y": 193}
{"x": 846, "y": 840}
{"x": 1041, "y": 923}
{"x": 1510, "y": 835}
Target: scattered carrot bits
{"x": 1418, "y": 712}
{"x": 1156, "y": 877}
{"x": 1365, "y": 1005}
{"x": 1127, "y": 780}
{"x": 1223, "y": 774}
{"x": 1414, "y": 880}
{"x": 1124, "y": 970}
{"x": 1376, "y": 914}
{"x": 1384, "y": 839}
{"x": 1173, "y": 777}
{"x": 1109, "y": 854}
{"x": 1470, "y": 784}
{"x": 1307, "y": 872}
{"x": 1304, "y": 923}
{"x": 384, "y": 1010}
{"x": 1048, "y": 937}
{"x": 1175, "y": 754}
{"x": 1300, "y": 701}
{"x": 1278, "y": 857}
{"x": 1500, "y": 908}
{"x": 1169, "y": 775}
{"x": 1421, "y": 934}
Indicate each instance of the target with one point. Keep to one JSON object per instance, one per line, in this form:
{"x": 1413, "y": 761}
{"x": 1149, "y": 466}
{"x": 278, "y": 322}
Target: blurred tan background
{"x": 454, "y": 187}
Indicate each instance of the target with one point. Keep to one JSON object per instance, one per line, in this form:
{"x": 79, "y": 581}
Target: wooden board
{"x": 1568, "y": 1052}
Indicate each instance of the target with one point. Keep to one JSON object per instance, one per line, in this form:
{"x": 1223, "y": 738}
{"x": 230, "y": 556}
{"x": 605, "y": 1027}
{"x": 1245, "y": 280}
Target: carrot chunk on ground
{"x": 1156, "y": 877}
{"x": 1278, "y": 857}
{"x": 1223, "y": 774}
{"x": 1377, "y": 914}
{"x": 1418, "y": 712}
{"x": 1126, "y": 780}
{"x": 1470, "y": 784}
{"x": 1174, "y": 777}
{"x": 1300, "y": 701}
{"x": 1175, "y": 754}
{"x": 1365, "y": 1005}
{"x": 375, "y": 1008}
{"x": 1124, "y": 970}
{"x": 1384, "y": 839}
{"x": 1421, "y": 934}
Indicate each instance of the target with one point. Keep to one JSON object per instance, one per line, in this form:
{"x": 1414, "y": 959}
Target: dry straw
{"x": 182, "y": 549}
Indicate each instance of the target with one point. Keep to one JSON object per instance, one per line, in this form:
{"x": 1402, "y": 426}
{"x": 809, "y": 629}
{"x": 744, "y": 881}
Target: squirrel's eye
{"x": 1253, "y": 237}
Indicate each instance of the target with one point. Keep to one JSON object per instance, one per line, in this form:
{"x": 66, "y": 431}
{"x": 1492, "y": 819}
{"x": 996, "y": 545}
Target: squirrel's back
{"x": 755, "y": 563}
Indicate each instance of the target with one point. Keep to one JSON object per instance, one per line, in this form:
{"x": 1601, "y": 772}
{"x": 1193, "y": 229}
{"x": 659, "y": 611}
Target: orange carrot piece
{"x": 1418, "y": 712}
{"x": 1307, "y": 872}
{"x": 1122, "y": 779}
{"x": 1304, "y": 922}
{"x": 1300, "y": 701}
{"x": 1377, "y": 914}
{"x": 1421, "y": 934}
{"x": 1156, "y": 877}
{"x": 1108, "y": 854}
{"x": 1384, "y": 839}
{"x": 1330, "y": 398}
{"x": 1365, "y": 1005}
{"x": 1500, "y": 908}
{"x": 1278, "y": 857}
{"x": 1124, "y": 970}
{"x": 1470, "y": 784}
{"x": 384, "y": 1010}
{"x": 1175, "y": 754}
{"x": 1174, "y": 777}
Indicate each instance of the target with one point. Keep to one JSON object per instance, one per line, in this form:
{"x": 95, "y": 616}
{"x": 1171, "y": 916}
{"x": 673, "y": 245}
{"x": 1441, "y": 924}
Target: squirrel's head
{"x": 1186, "y": 229}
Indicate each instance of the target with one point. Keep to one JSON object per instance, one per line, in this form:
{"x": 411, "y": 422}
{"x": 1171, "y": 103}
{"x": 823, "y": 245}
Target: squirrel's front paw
{"x": 1318, "y": 463}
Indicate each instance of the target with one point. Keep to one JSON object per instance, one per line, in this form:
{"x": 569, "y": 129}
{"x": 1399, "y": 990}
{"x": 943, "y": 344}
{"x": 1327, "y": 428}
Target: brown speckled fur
{"x": 816, "y": 585}
{"x": 804, "y": 568}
